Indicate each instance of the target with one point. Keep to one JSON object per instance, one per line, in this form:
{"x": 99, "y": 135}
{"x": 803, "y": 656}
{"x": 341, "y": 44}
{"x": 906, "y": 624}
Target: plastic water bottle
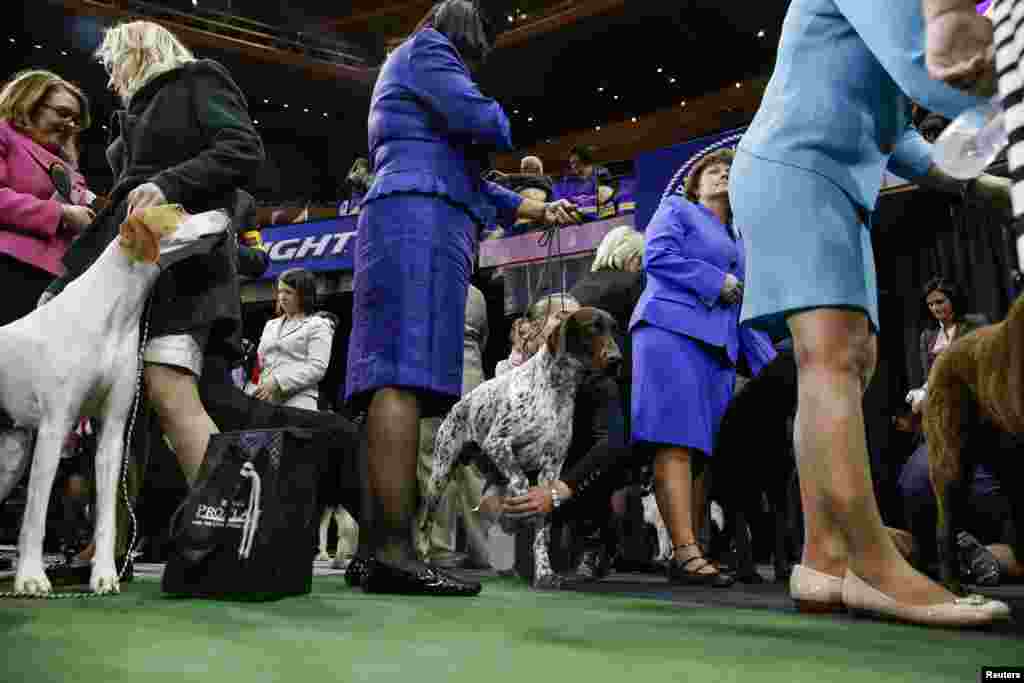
{"x": 972, "y": 141}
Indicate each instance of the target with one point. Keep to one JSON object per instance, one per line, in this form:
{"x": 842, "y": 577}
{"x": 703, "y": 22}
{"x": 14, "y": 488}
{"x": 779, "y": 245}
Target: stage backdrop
{"x": 655, "y": 170}
{"x": 314, "y": 245}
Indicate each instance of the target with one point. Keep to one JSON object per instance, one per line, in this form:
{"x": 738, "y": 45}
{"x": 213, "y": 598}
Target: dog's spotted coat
{"x": 522, "y": 421}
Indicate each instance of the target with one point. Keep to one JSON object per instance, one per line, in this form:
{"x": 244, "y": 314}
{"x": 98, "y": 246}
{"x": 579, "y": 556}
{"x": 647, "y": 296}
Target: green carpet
{"x": 507, "y": 634}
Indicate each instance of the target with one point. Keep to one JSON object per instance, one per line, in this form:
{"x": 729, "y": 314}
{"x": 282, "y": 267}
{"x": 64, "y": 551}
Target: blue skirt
{"x": 413, "y": 261}
{"x": 808, "y": 244}
{"x": 681, "y": 388}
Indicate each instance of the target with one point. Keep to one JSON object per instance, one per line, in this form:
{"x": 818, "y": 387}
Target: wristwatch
{"x": 556, "y": 499}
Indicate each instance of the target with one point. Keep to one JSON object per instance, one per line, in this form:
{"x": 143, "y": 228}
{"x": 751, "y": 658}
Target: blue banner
{"x": 315, "y": 245}
{"x": 656, "y": 171}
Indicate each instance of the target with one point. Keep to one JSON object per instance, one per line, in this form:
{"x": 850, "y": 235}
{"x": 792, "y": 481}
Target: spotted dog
{"x": 522, "y": 420}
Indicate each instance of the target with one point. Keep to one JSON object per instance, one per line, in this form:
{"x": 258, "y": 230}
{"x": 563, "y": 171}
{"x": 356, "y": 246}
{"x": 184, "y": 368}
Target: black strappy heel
{"x": 682, "y": 573}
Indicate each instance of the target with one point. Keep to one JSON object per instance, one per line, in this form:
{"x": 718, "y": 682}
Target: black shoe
{"x": 689, "y": 573}
{"x": 422, "y": 580}
{"x": 6, "y": 564}
{"x": 355, "y": 572}
{"x": 977, "y": 563}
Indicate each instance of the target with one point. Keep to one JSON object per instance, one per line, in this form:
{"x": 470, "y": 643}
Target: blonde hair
{"x": 21, "y": 96}
{"x": 617, "y": 248}
{"x": 155, "y": 48}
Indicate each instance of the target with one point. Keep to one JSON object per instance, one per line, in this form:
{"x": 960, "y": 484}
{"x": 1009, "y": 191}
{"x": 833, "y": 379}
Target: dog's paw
{"x": 548, "y": 582}
{"x": 32, "y": 582}
{"x": 322, "y": 557}
{"x": 104, "y": 580}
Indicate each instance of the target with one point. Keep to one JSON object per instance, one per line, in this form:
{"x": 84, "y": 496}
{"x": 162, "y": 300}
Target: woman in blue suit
{"x": 806, "y": 177}
{"x": 686, "y": 344}
{"x": 430, "y": 129}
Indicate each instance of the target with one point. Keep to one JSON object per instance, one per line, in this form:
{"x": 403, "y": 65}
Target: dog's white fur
{"x": 78, "y": 355}
{"x": 652, "y": 515}
{"x": 348, "y": 535}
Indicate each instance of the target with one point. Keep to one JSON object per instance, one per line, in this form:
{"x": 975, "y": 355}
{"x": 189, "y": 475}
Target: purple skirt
{"x": 681, "y": 388}
{"x": 413, "y": 261}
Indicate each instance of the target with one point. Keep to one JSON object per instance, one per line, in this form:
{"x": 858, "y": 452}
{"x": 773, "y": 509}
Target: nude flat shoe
{"x": 815, "y": 592}
{"x": 973, "y": 610}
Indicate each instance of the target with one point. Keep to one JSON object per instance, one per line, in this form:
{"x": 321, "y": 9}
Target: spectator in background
{"x": 463, "y": 495}
{"x": 581, "y": 161}
{"x": 40, "y": 116}
{"x": 296, "y": 347}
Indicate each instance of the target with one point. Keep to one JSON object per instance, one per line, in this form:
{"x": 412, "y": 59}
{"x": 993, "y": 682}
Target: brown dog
{"x": 975, "y": 398}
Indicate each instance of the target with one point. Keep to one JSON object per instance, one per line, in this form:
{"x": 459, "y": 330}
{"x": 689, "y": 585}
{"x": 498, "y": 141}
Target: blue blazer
{"x": 687, "y": 254}
{"x": 430, "y": 129}
{"x": 837, "y": 101}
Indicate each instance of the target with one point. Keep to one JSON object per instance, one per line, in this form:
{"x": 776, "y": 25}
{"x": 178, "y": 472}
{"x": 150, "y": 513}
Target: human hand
{"x": 266, "y": 389}
{"x": 732, "y": 290}
{"x": 959, "y": 49}
{"x": 561, "y": 212}
{"x": 75, "y": 219}
{"x": 145, "y": 196}
{"x": 537, "y": 501}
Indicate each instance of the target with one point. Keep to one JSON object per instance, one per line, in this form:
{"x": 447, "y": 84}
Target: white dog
{"x": 652, "y": 515}
{"x": 79, "y": 355}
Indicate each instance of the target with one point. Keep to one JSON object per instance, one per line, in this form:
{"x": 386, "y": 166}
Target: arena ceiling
{"x": 308, "y": 66}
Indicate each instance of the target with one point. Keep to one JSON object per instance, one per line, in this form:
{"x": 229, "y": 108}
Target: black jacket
{"x": 189, "y": 132}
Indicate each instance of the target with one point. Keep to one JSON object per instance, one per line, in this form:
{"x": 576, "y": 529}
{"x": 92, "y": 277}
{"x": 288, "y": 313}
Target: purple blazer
{"x": 687, "y": 254}
{"x": 29, "y": 217}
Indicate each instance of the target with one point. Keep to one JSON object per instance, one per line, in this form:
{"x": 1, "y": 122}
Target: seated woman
{"x": 946, "y": 303}
{"x": 295, "y": 347}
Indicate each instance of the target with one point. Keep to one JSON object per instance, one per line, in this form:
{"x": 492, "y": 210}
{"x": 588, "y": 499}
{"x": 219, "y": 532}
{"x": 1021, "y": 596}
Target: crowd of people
{"x": 769, "y": 242}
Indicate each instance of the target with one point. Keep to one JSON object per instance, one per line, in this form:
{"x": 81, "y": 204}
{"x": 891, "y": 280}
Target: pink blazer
{"x": 29, "y": 218}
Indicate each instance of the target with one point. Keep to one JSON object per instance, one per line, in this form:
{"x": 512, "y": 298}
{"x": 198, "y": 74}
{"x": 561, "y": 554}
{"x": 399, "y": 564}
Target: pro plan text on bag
{"x": 246, "y": 530}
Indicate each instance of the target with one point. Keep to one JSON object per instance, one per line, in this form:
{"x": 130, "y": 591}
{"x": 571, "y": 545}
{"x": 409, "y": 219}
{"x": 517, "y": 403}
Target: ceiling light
{"x": 305, "y": 109}
{"x": 760, "y": 34}
{"x": 195, "y": 3}
{"x": 660, "y": 69}
{"x": 516, "y": 112}
{"x": 266, "y": 101}
{"x": 38, "y": 46}
{"x": 597, "y": 128}
{"x": 11, "y": 39}
{"x": 737, "y": 84}
{"x": 255, "y": 122}
{"x": 64, "y": 53}
{"x": 615, "y": 97}
{"x": 672, "y": 80}
{"x": 633, "y": 119}
{"x": 529, "y": 119}
{"x": 286, "y": 106}
{"x": 524, "y": 16}
{"x": 600, "y": 89}
{"x": 325, "y": 115}
{"x": 683, "y": 103}
{"x": 510, "y": 19}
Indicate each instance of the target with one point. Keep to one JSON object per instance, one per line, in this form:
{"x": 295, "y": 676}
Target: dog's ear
{"x": 141, "y": 232}
{"x": 572, "y": 337}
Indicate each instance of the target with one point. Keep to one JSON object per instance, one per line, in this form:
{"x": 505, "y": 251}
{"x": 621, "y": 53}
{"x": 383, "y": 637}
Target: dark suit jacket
{"x": 970, "y": 322}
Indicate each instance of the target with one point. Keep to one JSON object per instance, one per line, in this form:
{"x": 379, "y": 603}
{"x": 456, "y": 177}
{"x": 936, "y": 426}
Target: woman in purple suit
{"x": 686, "y": 344}
{"x": 430, "y": 130}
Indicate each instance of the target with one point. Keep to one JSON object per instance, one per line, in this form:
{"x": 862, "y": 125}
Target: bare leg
{"x": 835, "y": 355}
{"x": 700, "y": 503}
{"x": 325, "y": 526}
{"x": 393, "y": 425}
{"x": 175, "y": 397}
{"x": 673, "y": 489}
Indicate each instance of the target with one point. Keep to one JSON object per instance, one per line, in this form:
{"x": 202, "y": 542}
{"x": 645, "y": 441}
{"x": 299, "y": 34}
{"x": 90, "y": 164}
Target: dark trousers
{"x": 22, "y": 285}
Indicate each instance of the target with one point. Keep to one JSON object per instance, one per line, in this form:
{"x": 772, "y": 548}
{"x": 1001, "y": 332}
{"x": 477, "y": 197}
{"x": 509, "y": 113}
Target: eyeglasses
{"x": 66, "y": 113}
